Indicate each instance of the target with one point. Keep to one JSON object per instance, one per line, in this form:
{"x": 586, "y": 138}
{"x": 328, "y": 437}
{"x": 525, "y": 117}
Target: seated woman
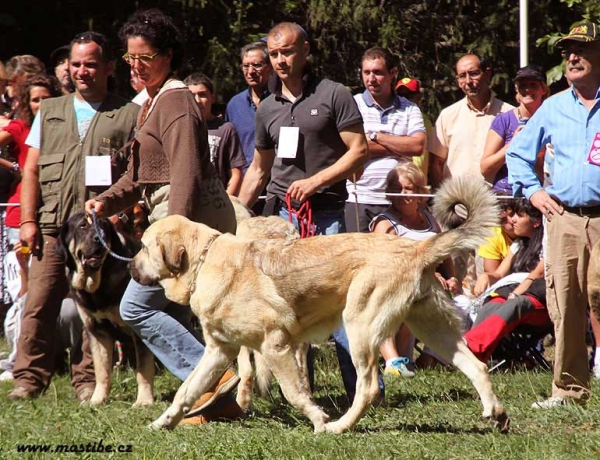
{"x": 518, "y": 290}
{"x": 407, "y": 217}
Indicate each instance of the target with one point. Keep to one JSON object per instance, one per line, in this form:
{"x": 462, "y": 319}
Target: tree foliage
{"x": 427, "y": 35}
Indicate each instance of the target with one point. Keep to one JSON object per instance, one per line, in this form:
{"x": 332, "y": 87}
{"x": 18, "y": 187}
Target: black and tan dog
{"x": 98, "y": 281}
{"x": 272, "y": 295}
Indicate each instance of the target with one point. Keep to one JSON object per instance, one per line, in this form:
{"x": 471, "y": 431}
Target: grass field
{"x": 436, "y": 415}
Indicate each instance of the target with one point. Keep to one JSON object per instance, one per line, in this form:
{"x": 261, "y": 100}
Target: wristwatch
{"x": 373, "y": 136}
{"x": 15, "y": 167}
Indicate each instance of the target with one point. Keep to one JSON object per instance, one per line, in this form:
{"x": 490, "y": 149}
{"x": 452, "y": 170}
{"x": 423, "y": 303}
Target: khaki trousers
{"x": 36, "y": 348}
{"x": 569, "y": 243}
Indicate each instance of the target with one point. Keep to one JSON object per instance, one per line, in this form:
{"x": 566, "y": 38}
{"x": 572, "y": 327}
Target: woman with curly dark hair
{"x": 171, "y": 169}
{"x": 28, "y": 100}
{"x": 518, "y": 292}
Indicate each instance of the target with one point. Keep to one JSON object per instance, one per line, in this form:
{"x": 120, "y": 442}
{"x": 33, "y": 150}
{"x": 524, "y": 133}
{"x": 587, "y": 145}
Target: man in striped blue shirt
{"x": 570, "y": 122}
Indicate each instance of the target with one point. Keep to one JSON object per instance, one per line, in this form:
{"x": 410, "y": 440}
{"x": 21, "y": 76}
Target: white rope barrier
{"x": 411, "y": 195}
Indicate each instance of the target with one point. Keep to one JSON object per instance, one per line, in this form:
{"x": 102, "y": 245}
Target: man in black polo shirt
{"x": 310, "y": 139}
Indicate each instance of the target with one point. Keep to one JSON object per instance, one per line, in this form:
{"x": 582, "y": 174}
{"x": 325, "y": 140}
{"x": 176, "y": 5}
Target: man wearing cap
{"x": 410, "y": 89}
{"x": 570, "y": 121}
{"x": 460, "y": 131}
{"x": 395, "y": 132}
{"x": 60, "y": 62}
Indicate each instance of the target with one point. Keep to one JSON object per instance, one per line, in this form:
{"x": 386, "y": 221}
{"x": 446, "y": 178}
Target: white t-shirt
{"x": 84, "y": 113}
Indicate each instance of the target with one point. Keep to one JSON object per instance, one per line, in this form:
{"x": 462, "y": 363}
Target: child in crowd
{"x": 226, "y": 152}
{"x": 407, "y": 217}
{"x": 496, "y": 248}
{"x": 516, "y": 291}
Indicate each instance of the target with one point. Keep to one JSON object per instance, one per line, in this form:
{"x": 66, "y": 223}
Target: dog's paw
{"x": 164, "y": 422}
{"x": 501, "y": 419}
{"x": 141, "y": 402}
{"x": 97, "y": 400}
{"x": 244, "y": 400}
{"x": 334, "y": 427}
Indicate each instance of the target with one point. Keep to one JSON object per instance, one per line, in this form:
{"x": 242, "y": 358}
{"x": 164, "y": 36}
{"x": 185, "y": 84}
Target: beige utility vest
{"x": 62, "y": 154}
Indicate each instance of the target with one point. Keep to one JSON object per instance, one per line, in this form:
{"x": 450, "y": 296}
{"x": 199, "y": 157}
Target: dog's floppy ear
{"x": 173, "y": 252}
{"x": 66, "y": 234}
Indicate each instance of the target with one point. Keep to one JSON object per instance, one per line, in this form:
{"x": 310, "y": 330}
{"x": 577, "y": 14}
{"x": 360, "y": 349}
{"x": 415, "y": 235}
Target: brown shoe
{"x": 226, "y": 408}
{"x": 22, "y": 393}
{"x": 225, "y": 385}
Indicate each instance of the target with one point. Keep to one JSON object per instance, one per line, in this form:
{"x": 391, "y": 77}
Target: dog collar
{"x": 201, "y": 259}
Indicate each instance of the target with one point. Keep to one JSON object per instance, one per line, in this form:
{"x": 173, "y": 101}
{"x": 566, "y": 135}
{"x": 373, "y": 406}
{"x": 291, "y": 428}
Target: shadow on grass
{"x": 426, "y": 428}
{"x": 453, "y": 394}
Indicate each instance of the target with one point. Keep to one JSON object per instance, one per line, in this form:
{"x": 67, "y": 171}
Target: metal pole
{"x": 523, "y": 35}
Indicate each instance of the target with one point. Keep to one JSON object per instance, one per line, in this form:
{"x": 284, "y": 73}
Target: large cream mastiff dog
{"x": 272, "y": 295}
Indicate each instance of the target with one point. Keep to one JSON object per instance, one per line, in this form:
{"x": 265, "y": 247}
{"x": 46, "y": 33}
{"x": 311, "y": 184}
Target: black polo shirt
{"x": 321, "y": 112}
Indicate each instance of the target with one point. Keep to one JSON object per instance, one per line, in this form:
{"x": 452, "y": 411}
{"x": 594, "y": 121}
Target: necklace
{"x": 521, "y": 119}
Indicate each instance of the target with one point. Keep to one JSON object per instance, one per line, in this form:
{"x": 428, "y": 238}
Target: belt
{"x": 584, "y": 211}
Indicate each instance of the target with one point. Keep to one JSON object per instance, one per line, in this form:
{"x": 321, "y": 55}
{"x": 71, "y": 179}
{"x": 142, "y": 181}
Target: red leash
{"x": 304, "y": 217}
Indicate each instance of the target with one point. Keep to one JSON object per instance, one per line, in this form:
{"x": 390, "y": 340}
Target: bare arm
{"x": 494, "y": 155}
{"x": 30, "y": 192}
{"x": 399, "y": 146}
{"x": 235, "y": 181}
{"x": 257, "y": 176}
{"x": 436, "y": 170}
{"x": 354, "y": 158}
{"x": 5, "y": 139}
{"x": 536, "y": 273}
{"x": 485, "y": 280}
{"x": 491, "y": 265}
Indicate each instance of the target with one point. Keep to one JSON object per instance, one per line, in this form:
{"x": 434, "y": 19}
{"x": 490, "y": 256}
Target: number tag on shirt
{"x": 98, "y": 171}
{"x": 288, "y": 142}
{"x": 594, "y": 155}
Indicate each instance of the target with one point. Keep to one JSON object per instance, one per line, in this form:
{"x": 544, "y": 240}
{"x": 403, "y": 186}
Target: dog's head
{"x": 171, "y": 248}
{"x": 84, "y": 254}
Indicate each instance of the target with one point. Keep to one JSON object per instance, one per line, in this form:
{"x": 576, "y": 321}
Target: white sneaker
{"x": 6, "y": 376}
{"x": 596, "y": 371}
{"x": 550, "y": 403}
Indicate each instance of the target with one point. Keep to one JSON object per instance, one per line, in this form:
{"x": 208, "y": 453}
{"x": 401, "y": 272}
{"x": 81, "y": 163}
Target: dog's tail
{"x": 467, "y": 211}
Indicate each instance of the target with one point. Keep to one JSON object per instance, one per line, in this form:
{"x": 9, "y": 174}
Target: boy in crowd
{"x": 226, "y": 152}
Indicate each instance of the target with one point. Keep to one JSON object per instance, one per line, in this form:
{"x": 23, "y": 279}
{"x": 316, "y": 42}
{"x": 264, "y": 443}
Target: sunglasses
{"x": 143, "y": 58}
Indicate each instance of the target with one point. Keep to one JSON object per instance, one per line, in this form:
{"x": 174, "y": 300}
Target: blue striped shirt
{"x": 565, "y": 123}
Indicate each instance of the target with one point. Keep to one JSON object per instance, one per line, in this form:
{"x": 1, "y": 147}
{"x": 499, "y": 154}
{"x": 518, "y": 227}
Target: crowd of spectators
{"x": 300, "y": 138}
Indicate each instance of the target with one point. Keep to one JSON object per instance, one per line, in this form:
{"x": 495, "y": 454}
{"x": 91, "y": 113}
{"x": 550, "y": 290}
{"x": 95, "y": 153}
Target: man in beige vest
{"x": 66, "y": 133}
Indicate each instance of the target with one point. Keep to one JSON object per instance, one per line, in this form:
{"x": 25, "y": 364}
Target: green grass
{"x": 436, "y": 415}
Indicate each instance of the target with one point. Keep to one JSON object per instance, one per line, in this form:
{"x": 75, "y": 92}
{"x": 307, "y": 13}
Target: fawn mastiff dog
{"x": 271, "y": 295}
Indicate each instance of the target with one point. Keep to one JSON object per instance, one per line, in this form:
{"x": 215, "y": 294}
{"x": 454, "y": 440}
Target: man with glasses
{"x": 241, "y": 109}
{"x": 74, "y": 155}
{"x": 570, "y": 121}
{"x": 457, "y": 142}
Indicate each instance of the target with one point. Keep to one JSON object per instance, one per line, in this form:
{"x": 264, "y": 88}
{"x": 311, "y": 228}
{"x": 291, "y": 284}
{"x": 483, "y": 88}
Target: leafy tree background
{"x": 428, "y": 36}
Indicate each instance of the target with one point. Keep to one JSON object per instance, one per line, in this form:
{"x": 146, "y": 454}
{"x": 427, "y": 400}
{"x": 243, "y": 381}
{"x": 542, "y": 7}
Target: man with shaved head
{"x": 310, "y": 139}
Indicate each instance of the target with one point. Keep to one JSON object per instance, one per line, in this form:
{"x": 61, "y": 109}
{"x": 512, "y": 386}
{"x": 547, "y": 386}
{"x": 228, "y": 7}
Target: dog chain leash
{"x": 100, "y": 234}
